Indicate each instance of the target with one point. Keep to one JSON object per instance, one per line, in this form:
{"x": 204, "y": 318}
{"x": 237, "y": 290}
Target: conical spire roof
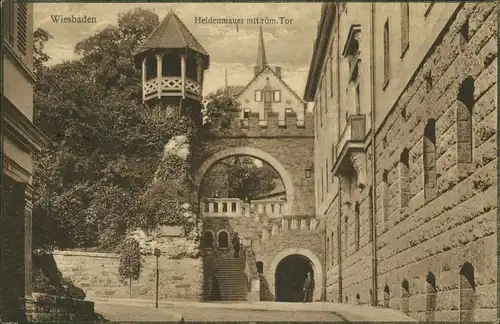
{"x": 171, "y": 33}
{"x": 261, "y": 51}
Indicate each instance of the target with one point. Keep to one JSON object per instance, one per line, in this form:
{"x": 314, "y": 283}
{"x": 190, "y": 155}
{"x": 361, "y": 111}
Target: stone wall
{"x": 97, "y": 274}
{"x": 436, "y": 258}
{"x": 47, "y": 308}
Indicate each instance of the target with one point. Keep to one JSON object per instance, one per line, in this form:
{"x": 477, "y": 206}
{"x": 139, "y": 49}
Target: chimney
{"x": 277, "y": 69}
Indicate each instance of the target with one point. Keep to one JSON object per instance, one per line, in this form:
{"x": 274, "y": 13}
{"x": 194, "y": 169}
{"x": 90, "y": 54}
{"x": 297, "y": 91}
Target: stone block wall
{"x": 97, "y": 274}
{"x": 48, "y": 308}
{"x": 436, "y": 256}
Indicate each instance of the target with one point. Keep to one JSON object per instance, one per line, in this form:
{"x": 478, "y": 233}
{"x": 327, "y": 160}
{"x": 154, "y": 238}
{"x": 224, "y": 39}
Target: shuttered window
{"x": 22, "y": 27}
{"x": 8, "y": 21}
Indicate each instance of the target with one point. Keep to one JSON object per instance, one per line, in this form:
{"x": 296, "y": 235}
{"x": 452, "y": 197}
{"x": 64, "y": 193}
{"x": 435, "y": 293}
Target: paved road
{"x": 248, "y": 315}
{"x": 126, "y": 313}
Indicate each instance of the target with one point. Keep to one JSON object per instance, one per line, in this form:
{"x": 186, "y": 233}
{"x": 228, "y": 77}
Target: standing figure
{"x": 236, "y": 245}
{"x": 215, "y": 294}
{"x": 308, "y": 288}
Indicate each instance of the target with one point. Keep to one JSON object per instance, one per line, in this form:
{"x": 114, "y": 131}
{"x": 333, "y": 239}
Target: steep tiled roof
{"x": 171, "y": 33}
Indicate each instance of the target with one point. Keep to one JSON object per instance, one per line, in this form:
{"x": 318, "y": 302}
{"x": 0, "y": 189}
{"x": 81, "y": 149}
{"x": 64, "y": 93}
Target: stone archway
{"x": 253, "y": 152}
{"x": 306, "y": 255}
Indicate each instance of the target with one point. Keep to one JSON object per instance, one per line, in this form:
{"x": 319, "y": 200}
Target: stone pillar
{"x": 144, "y": 78}
{"x": 303, "y": 224}
{"x": 28, "y": 208}
{"x": 284, "y": 224}
{"x": 313, "y": 223}
{"x": 183, "y": 75}
{"x": 159, "y": 69}
{"x": 210, "y": 207}
{"x": 275, "y": 229}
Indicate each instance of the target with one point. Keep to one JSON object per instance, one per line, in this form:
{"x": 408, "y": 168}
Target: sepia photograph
{"x": 249, "y": 162}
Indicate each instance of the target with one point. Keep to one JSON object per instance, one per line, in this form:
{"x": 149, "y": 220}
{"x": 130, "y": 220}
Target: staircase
{"x": 231, "y": 274}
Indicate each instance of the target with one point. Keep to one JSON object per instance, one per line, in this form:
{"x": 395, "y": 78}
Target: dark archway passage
{"x": 290, "y": 275}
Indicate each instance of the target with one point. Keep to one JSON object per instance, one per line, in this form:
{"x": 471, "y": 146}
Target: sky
{"x": 233, "y": 49}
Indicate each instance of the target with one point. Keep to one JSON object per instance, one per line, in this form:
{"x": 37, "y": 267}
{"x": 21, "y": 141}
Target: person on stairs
{"x": 236, "y": 245}
{"x": 215, "y": 293}
{"x": 308, "y": 288}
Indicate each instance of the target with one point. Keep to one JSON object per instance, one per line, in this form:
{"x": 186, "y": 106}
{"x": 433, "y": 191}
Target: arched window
{"x": 208, "y": 240}
{"x": 404, "y": 179}
{"x": 387, "y": 296}
{"x": 467, "y": 293}
{"x": 356, "y": 226}
{"x": 385, "y": 199}
{"x": 260, "y": 267}
{"x": 465, "y": 105}
{"x": 405, "y": 296}
{"x": 358, "y": 299}
{"x": 430, "y": 298}
{"x": 223, "y": 239}
{"x": 429, "y": 150}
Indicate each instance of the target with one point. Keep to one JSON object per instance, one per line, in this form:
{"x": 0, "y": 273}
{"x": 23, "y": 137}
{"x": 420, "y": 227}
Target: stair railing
{"x": 252, "y": 274}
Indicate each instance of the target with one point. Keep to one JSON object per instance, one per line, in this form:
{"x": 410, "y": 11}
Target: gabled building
{"x": 267, "y": 92}
{"x": 21, "y": 140}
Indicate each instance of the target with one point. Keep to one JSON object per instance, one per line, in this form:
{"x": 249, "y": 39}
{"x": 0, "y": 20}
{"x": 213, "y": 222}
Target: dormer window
{"x": 258, "y": 95}
{"x": 351, "y": 50}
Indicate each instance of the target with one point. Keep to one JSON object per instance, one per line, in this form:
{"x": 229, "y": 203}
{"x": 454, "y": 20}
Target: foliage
{"x": 220, "y": 105}
{"x": 93, "y": 183}
{"x": 130, "y": 259}
{"x": 40, "y": 37}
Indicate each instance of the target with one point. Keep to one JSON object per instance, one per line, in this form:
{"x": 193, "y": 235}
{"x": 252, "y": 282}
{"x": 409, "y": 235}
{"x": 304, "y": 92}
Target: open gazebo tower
{"x": 172, "y": 63}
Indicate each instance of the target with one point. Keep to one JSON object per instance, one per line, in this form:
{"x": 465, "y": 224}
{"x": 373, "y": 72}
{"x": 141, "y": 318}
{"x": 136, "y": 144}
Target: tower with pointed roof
{"x": 261, "y": 63}
{"x": 173, "y": 63}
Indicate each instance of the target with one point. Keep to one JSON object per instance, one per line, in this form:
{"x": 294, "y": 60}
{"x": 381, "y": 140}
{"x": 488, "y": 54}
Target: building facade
{"x": 20, "y": 141}
{"x": 405, "y": 102}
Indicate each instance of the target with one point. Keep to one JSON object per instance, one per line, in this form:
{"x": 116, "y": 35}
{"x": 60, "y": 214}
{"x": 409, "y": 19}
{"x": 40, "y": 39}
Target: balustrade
{"x": 234, "y": 207}
{"x": 170, "y": 86}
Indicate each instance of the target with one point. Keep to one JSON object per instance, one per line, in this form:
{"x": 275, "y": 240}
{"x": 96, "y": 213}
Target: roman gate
{"x": 282, "y": 241}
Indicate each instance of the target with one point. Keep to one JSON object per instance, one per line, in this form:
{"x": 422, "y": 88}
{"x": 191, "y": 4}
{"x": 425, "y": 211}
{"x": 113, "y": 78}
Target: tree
{"x": 220, "y": 105}
{"x": 40, "y": 37}
{"x": 130, "y": 261}
{"x": 92, "y": 184}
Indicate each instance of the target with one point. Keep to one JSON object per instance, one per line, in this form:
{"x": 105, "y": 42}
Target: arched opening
{"x": 405, "y": 296}
{"x": 430, "y": 298}
{"x": 358, "y": 299}
{"x": 404, "y": 178}
{"x": 223, "y": 239}
{"x": 191, "y": 68}
{"x": 290, "y": 276}
{"x": 387, "y": 296}
{"x": 467, "y": 293}
{"x": 260, "y": 266}
{"x": 465, "y": 104}
{"x": 385, "y": 199}
{"x": 208, "y": 240}
{"x": 429, "y": 155}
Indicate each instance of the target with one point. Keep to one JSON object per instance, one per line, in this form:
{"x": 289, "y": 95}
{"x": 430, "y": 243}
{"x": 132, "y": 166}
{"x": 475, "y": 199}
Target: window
{"x": 216, "y": 207}
{"x": 403, "y": 113}
{"x": 357, "y": 226}
{"x": 8, "y": 21}
{"x": 332, "y": 248}
{"x": 22, "y": 26}
{"x": 387, "y": 58}
{"x": 467, "y": 288}
{"x": 370, "y": 214}
{"x": 322, "y": 184}
{"x": 272, "y": 208}
{"x": 207, "y": 207}
{"x": 345, "y": 236}
{"x": 258, "y": 95}
{"x": 224, "y": 207}
{"x": 465, "y": 105}
{"x": 358, "y": 104}
{"x": 320, "y": 109}
{"x": 233, "y": 207}
{"x": 405, "y": 296}
{"x": 405, "y": 27}
{"x": 430, "y": 296}
{"x": 385, "y": 199}
{"x": 260, "y": 267}
{"x": 268, "y": 96}
{"x": 404, "y": 179}
{"x": 429, "y": 155}
{"x": 223, "y": 239}
{"x": 326, "y": 174}
{"x": 428, "y": 81}
{"x": 331, "y": 73}
{"x": 464, "y": 33}
{"x": 387, "y": 296}
{"x": 246, "y": 113}
{"x": 277, "y": 96}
